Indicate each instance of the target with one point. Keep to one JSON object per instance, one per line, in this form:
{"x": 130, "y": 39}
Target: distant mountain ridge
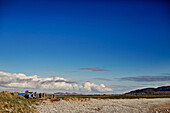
{"x": 65, "y": 93}
{"x": 164, "y": 90}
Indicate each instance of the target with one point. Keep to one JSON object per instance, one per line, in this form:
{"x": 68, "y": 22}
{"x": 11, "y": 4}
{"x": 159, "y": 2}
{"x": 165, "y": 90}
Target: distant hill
{"x": 66, "y": 93}
{"x": 164, "y": 90}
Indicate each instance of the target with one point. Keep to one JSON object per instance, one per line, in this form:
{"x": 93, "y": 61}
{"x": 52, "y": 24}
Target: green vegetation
{"x": 124, "y": 96}
{"x": 13, "y": 103}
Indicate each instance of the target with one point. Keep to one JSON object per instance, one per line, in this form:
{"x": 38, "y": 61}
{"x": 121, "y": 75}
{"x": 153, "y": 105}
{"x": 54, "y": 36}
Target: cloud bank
{"x": 97, "y": 79}
{"x": 93, "y": 69}
{"x": 146, "y": 78}
{"x": 166, "y": 84}
{"x": 22, "y": 81}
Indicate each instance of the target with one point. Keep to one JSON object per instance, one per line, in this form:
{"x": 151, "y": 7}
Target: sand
{"x": 107, "y": 106}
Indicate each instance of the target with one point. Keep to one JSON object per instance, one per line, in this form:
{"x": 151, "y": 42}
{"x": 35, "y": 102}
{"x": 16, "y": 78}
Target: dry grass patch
{"x": 14, "y": 103}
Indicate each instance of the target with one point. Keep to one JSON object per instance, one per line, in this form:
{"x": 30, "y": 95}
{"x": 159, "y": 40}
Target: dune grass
{"x": 15, "y": 104}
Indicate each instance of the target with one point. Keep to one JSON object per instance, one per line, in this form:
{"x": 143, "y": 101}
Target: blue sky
{"x": 59, "y": 38}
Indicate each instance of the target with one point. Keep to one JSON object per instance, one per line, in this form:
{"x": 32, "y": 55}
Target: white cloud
{"x": 22, "y": 81}
{"x": 167, "y": 84}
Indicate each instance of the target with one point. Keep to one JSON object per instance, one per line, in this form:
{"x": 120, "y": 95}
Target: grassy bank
{"x": 12, "y": 103}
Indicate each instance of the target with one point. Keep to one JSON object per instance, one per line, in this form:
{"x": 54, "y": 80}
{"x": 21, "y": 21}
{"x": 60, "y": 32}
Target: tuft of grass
{"x": 15, "y": 103}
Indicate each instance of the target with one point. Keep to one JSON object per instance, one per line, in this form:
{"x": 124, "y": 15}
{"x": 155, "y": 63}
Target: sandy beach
{"x": 107, "y": 106}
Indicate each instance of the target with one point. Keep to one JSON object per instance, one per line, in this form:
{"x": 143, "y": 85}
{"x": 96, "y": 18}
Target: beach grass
{"x": 13, "y": 103}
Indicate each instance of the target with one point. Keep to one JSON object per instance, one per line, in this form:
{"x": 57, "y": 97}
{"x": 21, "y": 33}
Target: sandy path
{"x": 103, "y": 106}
